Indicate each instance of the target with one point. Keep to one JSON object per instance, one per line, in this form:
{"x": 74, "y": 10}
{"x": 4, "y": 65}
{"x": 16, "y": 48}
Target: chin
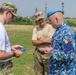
{"x": 42, "y": 23}
{"x": 7, "y": 22}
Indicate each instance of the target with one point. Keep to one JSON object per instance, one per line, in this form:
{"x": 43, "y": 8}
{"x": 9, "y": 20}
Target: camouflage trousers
{"x": 41, "y": 62}
{"x": 6, "y": 68}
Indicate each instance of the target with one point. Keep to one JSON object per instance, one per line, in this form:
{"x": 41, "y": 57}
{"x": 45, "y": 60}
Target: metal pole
{"x": 45, "y": 10}
{"x": 63, "y": 8}
{"x": 34, "y": 16}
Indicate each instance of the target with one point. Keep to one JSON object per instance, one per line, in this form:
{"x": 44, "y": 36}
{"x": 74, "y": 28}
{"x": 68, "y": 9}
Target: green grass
{"x": 22, "y": 36}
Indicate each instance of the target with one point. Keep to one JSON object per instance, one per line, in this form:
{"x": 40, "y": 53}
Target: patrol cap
{"x": 53, "y": 11}
{"x": 10, "y": 7}
{"x": 39, "y": 15}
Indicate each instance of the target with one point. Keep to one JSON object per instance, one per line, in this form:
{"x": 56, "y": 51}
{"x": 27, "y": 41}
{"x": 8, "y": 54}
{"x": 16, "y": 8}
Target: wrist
{"x": 14, "y": 54}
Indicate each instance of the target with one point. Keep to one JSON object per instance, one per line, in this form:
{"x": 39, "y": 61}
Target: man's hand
{"x": 18, "y": 53}
{"x": 16, "y": 47}
{"x": 47, "y": 50}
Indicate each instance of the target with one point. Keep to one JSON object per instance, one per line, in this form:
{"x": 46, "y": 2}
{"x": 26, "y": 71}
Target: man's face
{"x": 41, "y": 21}
{"x": 9, "y": 17}
{"x": 53, "y": 21}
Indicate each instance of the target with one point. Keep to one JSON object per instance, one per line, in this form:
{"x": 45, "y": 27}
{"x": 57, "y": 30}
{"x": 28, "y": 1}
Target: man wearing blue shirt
{"x": 62, "y": 52}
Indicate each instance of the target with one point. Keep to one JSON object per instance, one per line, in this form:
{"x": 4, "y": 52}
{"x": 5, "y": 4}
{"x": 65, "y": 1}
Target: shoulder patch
{"x": 67, "y": 41}
{"x": 67, "y": 45}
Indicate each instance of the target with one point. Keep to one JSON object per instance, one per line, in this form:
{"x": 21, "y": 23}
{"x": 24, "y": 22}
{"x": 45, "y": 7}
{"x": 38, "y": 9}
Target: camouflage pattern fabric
{"x": 41, "y": 63}
{"x": 10, "y": 7}
{"x": 6, "y": 68}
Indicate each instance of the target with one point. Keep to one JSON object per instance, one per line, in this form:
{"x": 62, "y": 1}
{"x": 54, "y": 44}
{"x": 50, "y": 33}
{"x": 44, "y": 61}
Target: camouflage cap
{"x": 39, "y": 15}
{"x": 10, "y": 7}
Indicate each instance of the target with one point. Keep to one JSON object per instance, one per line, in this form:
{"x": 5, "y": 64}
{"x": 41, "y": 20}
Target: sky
{"x": 28, "y": 7}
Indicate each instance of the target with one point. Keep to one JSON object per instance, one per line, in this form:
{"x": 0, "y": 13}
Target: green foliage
{"x": 70, "y": 23}
{"x": 31, "y": 21}
{"x": 22, "y": 21}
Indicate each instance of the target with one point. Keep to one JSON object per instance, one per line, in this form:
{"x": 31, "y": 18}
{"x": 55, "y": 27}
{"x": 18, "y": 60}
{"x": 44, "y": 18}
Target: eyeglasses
{"x": 40, "y": 19}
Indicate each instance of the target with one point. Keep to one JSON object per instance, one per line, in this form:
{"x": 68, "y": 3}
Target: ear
{"x": 6, "y": 12}
{"x": 56, "y": 19}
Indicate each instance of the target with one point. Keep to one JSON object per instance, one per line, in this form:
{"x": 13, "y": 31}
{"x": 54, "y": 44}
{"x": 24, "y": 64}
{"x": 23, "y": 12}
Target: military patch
{"x": 67, "y": 45}
{"x": 67, "y": 41}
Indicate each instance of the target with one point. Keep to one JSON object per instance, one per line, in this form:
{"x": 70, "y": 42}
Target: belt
{"x": 4, "y": 63}
{"x": 41, "y": 52}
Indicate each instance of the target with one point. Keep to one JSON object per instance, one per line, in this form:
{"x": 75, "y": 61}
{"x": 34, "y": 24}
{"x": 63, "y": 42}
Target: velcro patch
{"x": 67, "y": 45}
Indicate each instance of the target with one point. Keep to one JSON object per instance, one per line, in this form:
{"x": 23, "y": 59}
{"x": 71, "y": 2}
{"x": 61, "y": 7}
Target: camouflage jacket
{"x": 62, "y": 56}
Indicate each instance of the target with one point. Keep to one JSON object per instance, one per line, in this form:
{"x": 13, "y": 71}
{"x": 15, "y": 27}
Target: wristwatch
{"x": 14, "y": 54}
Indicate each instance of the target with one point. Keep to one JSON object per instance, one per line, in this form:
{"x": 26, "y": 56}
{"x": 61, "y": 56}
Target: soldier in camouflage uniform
{"x": 7, "y": 13}
{"x": 41, "y": 38}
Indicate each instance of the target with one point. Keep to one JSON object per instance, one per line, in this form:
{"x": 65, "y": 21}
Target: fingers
{"x": 16, "y": 47}
{"x": 18, "y": 53}
{"x": 47, "y": 50}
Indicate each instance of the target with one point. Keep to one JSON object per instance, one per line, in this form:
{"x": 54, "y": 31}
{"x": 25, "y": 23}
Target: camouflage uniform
{"x": 41, "y": 59}
{"x": 41, "y": 63}
{"x": 6, "y": 68}
{"x": 63, "y": 54}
